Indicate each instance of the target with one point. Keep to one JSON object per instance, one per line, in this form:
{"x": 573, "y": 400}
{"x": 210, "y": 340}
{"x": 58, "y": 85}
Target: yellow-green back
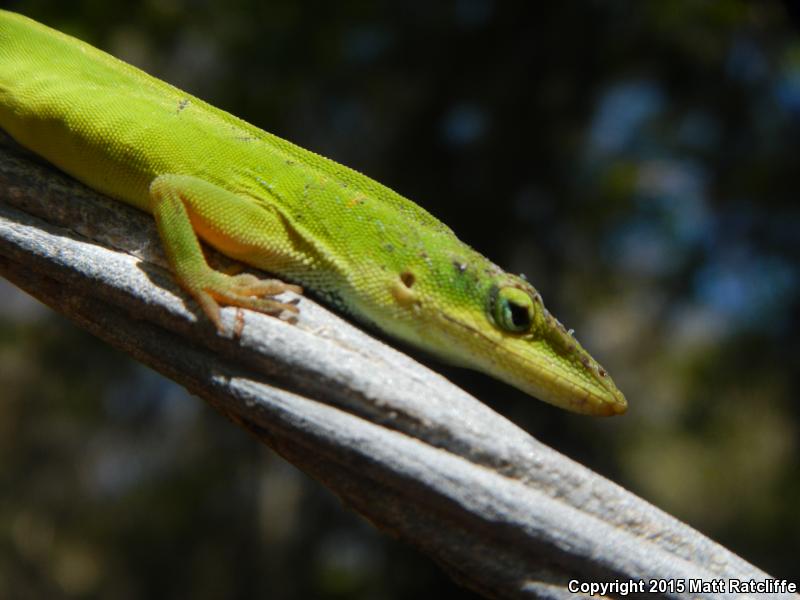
{"x": 353, "y": 241}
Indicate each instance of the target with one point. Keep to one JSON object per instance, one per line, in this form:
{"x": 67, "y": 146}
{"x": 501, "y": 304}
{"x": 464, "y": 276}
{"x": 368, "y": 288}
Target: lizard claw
{"x": 244, "y": 291}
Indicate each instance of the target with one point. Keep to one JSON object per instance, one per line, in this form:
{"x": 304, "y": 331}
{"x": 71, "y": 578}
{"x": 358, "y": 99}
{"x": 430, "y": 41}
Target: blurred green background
{"x": 637, "y": 160}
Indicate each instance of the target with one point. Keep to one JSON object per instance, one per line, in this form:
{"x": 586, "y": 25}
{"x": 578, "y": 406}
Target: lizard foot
{"x": 244, "y": 291}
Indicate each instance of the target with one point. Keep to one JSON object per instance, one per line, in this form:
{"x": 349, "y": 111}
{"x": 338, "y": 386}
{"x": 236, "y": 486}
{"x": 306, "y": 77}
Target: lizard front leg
{"x": 183, "y": 204}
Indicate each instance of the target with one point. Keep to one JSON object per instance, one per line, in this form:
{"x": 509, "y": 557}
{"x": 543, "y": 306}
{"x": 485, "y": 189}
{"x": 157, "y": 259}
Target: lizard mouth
{"x": 546, "y": 377}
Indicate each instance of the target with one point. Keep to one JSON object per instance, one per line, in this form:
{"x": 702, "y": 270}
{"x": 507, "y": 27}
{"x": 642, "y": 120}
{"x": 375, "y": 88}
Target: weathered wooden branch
{"x": 502, "y": 513}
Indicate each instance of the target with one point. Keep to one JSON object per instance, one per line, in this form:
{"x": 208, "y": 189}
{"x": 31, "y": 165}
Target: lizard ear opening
{"x": 511, "y": 309}
{"x": 402, "y": 289}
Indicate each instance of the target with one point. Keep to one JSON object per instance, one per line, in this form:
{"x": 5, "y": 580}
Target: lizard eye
{"x": 512, "y": 310}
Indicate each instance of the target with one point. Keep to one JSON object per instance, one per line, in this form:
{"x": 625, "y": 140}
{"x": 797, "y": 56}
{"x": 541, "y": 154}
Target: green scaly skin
{"x": 205, "y": 174}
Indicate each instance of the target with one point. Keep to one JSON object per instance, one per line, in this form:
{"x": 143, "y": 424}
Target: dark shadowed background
{"x": 637, "y": 160}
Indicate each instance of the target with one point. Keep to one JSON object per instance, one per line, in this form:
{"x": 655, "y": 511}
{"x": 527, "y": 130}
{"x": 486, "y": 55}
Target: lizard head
{"x": 534, "y": 351}
{"x": 486, "y": 319}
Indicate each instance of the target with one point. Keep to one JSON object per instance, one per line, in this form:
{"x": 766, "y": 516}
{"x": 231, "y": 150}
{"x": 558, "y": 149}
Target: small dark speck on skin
{"x": 585, "y": 361}
{"x": 290, "y": 162}
{"x": 423, "y": 255}
{"x": 389, "y": 247}
{"x": 601, "y": 371}
{"x": 461, "y": 267}
{"x": 182, "y": 104}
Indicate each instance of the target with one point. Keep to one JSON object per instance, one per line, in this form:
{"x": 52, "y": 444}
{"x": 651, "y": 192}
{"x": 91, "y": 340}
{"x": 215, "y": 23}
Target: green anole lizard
{"x": 206, "y": 175}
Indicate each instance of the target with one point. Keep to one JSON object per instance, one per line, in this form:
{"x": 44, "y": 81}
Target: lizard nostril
{"x": 408, "y": 279}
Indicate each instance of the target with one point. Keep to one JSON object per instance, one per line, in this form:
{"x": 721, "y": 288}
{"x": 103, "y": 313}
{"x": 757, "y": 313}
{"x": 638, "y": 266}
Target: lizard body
{"x": 207, "y": 175}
